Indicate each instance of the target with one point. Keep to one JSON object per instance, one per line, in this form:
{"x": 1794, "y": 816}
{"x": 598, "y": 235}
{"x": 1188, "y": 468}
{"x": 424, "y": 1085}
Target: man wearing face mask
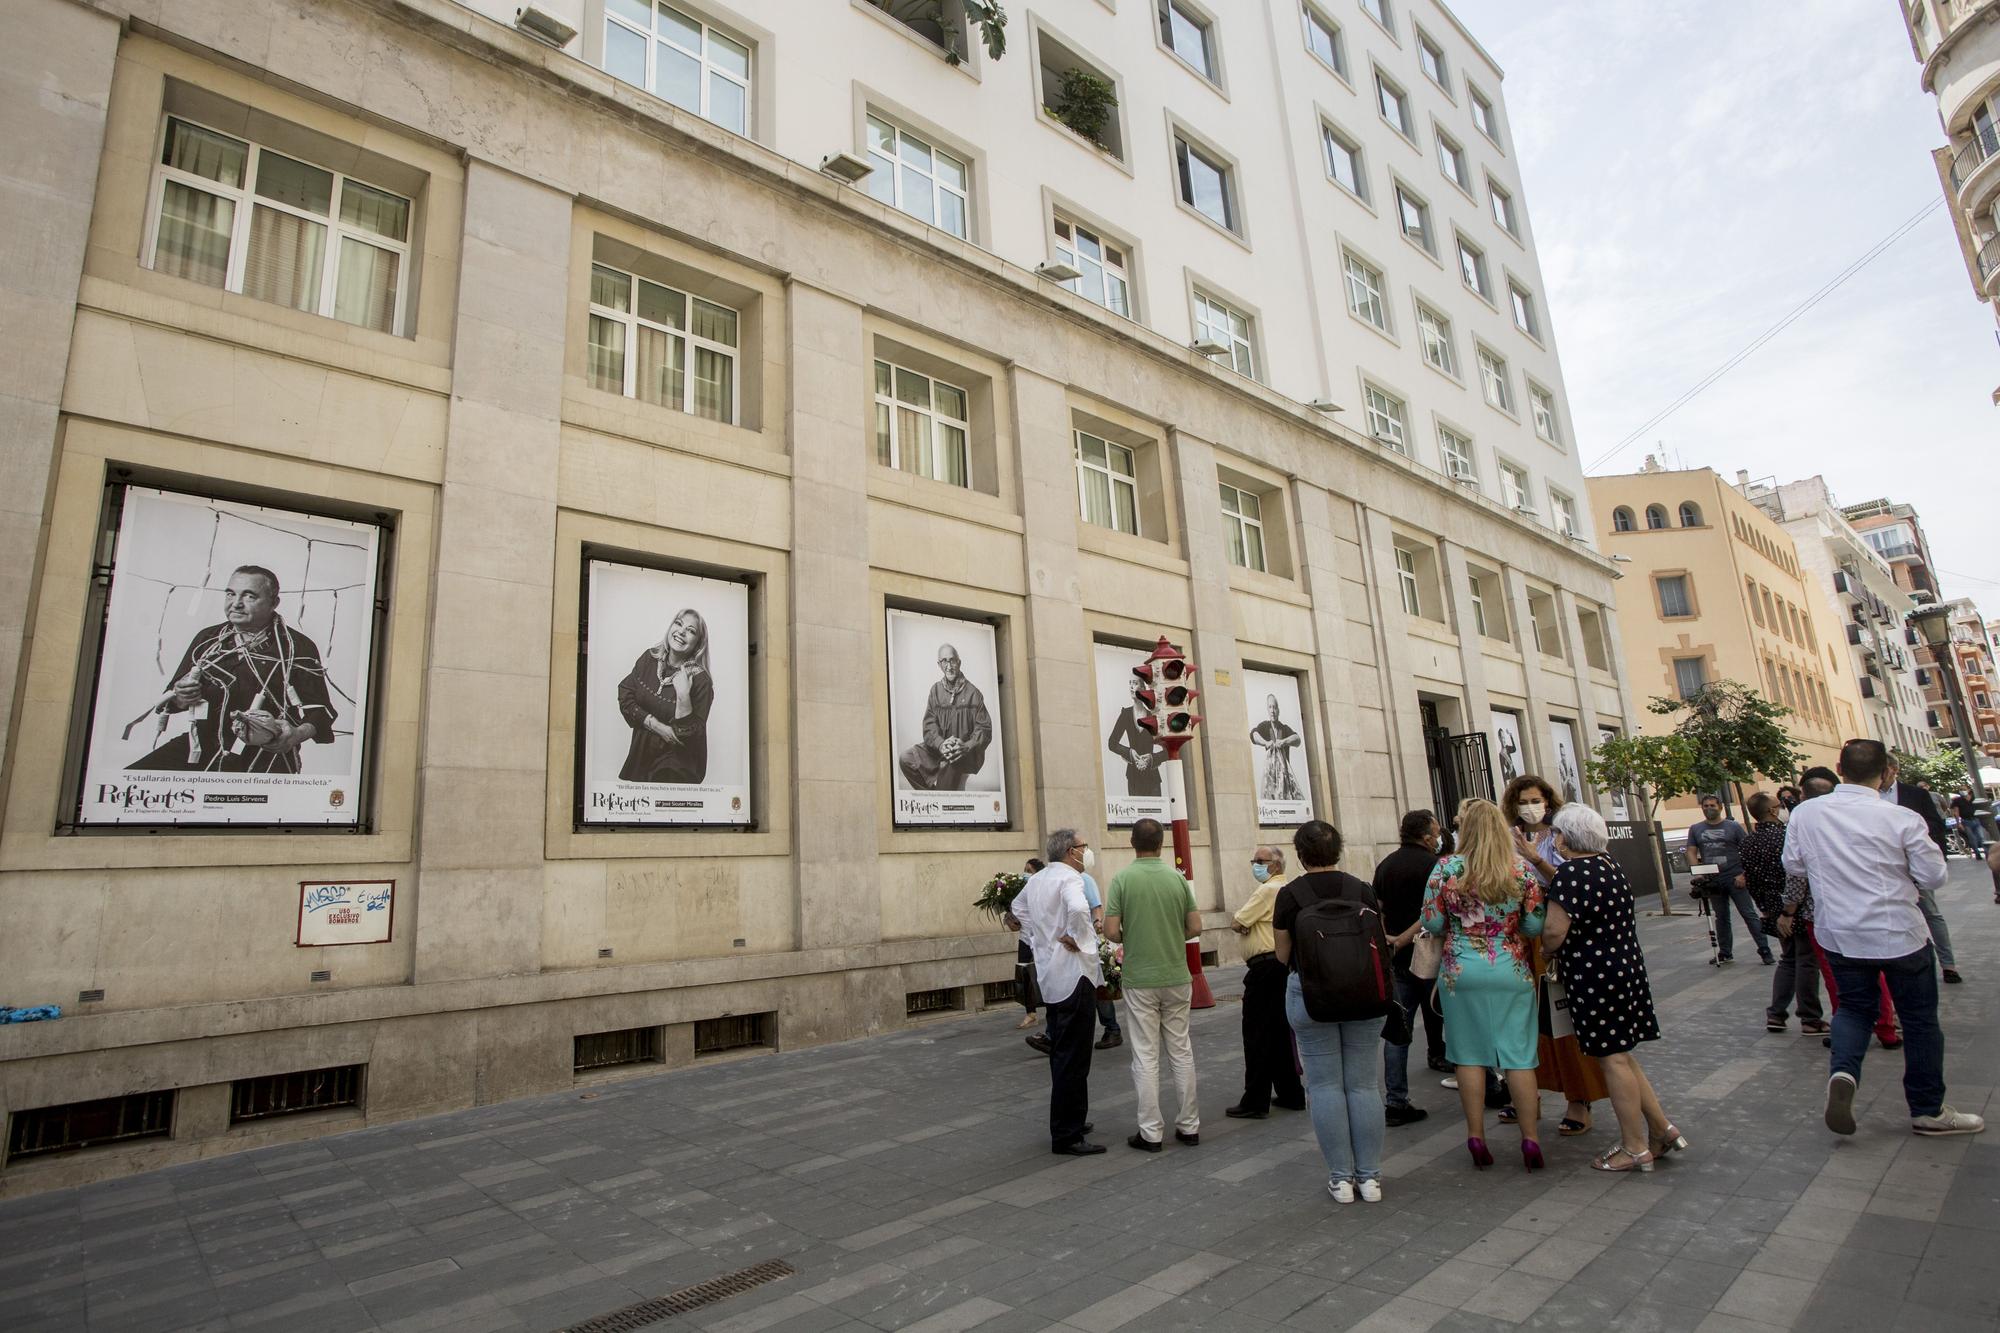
{"x": 1719, "y": 842}
{"x": 1056, "y": 924}
{"x": 1269, "y": 1074}
{"x": 1400, "y": 881}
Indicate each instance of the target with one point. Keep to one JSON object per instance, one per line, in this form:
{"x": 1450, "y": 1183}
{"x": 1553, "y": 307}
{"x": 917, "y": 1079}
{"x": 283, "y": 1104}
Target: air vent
{"x": 90, "y": 997}
{"x": 626, "y": 1046}
{"x": 604, "y": 953}
{"x": 1211, "y": 959}
{"x": 47, "y": 1130}
{"x": 933, "y": 1001}
{"x": 273, "y": 1095}
{"x": 734, "y": 1033}
{"x": 322, "y": 974}
{"x": 1002, "y": 992}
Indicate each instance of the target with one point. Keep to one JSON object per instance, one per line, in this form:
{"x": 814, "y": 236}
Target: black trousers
{"x": 1268, "y": 1069}
{"x": 1072, "y": 1026}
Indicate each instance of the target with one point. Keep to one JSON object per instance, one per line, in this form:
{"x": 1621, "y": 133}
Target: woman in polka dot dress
{"x": 1596, "y": 944}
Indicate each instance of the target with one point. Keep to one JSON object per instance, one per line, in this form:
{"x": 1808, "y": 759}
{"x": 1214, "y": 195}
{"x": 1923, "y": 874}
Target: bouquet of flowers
{"x": 1111, "y": 957}
{"x": 998, "y": 894}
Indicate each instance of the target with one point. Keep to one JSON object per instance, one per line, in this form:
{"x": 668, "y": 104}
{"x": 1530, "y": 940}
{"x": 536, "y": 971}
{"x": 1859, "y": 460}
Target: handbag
{"x": 1426, "y": 955}
{"x": 1397, "y": 1029}
{"x": 1555, "y": 1022}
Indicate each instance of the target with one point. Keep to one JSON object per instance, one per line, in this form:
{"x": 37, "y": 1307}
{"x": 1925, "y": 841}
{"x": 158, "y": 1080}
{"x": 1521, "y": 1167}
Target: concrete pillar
{"x": 1535, "y": 755}
{"x": 1471, "y": 644}
{"x": 483, "y": 772}
{"x": 1409, "y": 768}
{"x": 1346, "y": 662}
{"x": 1584, "y": 711}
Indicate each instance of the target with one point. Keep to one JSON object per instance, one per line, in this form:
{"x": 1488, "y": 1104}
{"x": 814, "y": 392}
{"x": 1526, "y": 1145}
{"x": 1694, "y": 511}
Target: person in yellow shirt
{"x": 1270, "y": 1073}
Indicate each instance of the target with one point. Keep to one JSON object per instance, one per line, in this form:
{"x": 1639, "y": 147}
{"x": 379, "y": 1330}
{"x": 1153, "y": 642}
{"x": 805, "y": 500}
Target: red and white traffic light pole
{"x": 1167, "y": 691}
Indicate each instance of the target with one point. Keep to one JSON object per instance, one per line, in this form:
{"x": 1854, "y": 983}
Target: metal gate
{"x": 1460, "y": 769}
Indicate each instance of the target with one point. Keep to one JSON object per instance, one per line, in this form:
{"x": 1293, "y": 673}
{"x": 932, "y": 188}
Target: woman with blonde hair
{"x": 665, "y": 699}
{"x": 1486, "y": 903}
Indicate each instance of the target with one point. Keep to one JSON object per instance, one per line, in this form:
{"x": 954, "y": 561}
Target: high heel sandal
{"x": 1480, "y": 1157}
{"x": 1531, "y": 1155}
{"x": 1672, "y": 1141}
{"x": 1641, "y": 1161}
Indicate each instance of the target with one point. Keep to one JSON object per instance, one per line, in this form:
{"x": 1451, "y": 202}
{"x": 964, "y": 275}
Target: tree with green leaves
{"x": 929, "y": 18}
{"x": 1943, "y": 769}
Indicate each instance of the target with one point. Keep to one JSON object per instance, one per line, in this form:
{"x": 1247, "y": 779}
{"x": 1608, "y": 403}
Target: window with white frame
{"x": 921, "y": 425}
{"x": 1513, "y": 485}
{"x": 1525, "y": 317}
{"x": 1434, "y": 330}
{"x": 1364, "y": 290}
{"x": 680, "y": 58}
{"x": 1503, "y": 209}
{"x": 1215, "y": 322}
{"x": 1430, "y": 58}
{"x": 1472, "y": 268}
{"x": 1406, "y": 581}
{"x": 1414, "y": 215}
{"x": 915, "y": 175}
{"x": 1455, "y": 452}
{"x": 1477, "y": 601}
{"x": 229, "y": 213}
{"x": 1494, "y": 381}
{"x": 1205, "y": 183}
{"x": 1387, "y": 419}
{"x": 1543, "y": 405}
{"x": 1343, "y": 161}
{"x": 1323, "y": 40}
{"x": 1394, "y": 104}
{"x": 1107, "y": 484}
{"x": 1243, "y": 527}
{"x": 1451, "y": 161}
{"x": 1187, "y": 34}
{"x": 1482, "y": 114}
{"x": 1101, "y": 264}
{"x": 1379, "y": 11}
{"x": 1562, "y": 512}
{"x": 651, "y": 342}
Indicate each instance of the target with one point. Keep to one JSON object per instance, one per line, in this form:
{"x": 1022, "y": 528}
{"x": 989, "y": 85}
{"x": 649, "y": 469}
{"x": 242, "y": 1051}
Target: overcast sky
{"x": 1695, "y": 169}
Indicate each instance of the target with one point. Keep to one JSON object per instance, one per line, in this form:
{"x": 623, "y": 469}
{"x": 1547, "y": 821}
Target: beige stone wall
{"x": 477, "y": 432}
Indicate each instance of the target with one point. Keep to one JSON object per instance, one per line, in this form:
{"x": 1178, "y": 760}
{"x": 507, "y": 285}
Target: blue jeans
{"x": 1345, "y": 1096}
{"x": 1913, "y": 986}
{"x": 1725, "y": 929}
{"x": 1411, "y": 993}
{"x": 1940, "y": 933}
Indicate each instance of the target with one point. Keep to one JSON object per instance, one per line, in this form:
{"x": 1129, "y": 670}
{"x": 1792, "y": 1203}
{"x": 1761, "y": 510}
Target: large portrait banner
{"x": 1278, "y": 742}
{"x": 944, "y": 721}
{"x": 232, "y": 681}
{"x": 1568, "y": 774}
{"x": 1131, "y": 758}
{"x": 1508, "y": 755}
{"x": 666, "y": 698}
{"x": 1619, "y": 809}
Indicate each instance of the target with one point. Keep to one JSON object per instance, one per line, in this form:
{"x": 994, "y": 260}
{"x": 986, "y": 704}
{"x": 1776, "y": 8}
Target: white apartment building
{"x": 1881, "y": 650}
{"x": 1957, "y": 42}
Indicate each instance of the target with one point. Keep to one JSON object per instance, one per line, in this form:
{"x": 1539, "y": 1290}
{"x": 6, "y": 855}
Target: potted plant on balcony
{"x": 1084, "y": 102}
{"x": 936, "y": 21}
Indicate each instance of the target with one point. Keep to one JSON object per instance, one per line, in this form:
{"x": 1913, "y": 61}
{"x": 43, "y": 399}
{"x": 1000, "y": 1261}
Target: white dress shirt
{"x": 1050, "y": 905}
{"x": 1865, "y": 858}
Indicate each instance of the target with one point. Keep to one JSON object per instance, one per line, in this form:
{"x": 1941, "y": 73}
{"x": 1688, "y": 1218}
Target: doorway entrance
{"x": 1459, "y": 763}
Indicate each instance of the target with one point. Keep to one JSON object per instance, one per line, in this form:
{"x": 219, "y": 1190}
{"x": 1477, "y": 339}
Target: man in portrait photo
{"x": 253, "y": 687}
{"x": 957, "y": 730}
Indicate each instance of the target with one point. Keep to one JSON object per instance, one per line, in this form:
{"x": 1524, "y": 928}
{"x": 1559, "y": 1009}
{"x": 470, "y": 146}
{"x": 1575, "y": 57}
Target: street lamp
{"x": 1933, "y": 622}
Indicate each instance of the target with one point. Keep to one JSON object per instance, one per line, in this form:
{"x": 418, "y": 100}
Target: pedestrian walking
{"x": 1867, "y": 860}
{"x": 1797, "y": 915}
{"x": 1151, "y": 912}
{"x": 1055, "y": 922}
{"x": 1270, "y": 1075}
{"x": 1328, "y": 925}
{"x": 1913, "y": 797}
{"x": 1968, "y": 821}
{"x": 1796, "y": 981}
{"x": 1400, "y": 880}
{"x": 1718, "y": 842}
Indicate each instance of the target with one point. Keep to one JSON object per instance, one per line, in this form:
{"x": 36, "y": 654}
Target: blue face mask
{"x": 1260, "y": 871}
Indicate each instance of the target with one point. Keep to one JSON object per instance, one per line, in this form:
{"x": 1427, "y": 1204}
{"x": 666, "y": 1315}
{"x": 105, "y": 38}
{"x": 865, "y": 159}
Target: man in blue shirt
{"x": 1718, "y": 842}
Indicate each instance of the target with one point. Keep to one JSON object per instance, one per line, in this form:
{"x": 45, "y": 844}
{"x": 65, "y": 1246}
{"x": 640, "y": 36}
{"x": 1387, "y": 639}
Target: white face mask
{"x": 1089, "y": 860}
{"x": 1533, "y": 811}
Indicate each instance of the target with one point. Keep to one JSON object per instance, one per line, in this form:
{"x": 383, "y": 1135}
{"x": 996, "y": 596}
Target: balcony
{"x": 1989, "y": 271}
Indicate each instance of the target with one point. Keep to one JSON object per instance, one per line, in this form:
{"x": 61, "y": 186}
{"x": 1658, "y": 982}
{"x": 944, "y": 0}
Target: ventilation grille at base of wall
{"x": 1002, "y": 992}
{"x": 933, "y": 1001}
{"x": 274, "y": 1095}
{"x": 47, "y": 1130}
{"x": 734, "y": 1032}
{"x": 626, "y": 1046}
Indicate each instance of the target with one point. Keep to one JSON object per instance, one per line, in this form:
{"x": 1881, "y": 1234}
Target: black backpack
{"x": 1342, "y": 952}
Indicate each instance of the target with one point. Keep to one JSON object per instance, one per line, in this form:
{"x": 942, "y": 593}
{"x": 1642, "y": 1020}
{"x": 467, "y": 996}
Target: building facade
{"x": 1714, "y": 589}
{"x": 521, "y": 576}
{"x": 1972, "y": 655}
{"x": 1957, "y": 44}
{"x": 1896, "y": 533}
{"x": 1882, "y": 650}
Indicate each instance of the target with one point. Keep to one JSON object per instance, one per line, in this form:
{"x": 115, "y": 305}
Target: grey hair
{"x": 1058, "y": 847}
{"x": 1582, "y": 828}
{"x": 1277, "y": 855}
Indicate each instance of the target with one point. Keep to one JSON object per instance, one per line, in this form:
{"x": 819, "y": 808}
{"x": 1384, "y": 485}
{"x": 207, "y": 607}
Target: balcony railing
{"x": 1973, "y": 154}
{"x": 1989, "y": 263}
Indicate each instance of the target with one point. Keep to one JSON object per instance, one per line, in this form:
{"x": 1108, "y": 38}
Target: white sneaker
{"x": 1448, "y": 1081}
{"x": 1371, "y": 1191}
{"x": 1343, "y": 1190}
{"x": 1947, "y": 1121}
{"x": 1840, "y": 1104}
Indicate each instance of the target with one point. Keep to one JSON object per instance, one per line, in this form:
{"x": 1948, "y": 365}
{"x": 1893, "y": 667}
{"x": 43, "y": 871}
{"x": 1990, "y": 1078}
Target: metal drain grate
{"x": 687, "y": 1298}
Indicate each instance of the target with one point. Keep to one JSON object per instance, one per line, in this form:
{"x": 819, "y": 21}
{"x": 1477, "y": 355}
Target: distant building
{"x": 1895, "y": 533}
{"x": 1972, "y": 655}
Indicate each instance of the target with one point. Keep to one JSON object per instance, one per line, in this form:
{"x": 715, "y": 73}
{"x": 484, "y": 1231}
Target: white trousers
{"x": 1155, "y": 1015}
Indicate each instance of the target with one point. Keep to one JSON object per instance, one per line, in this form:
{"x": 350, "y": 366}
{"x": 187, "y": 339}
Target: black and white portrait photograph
{"x": 944, "y": 721}
{"x": 1508, "y": 756}
{"x": 666, "y": 697}
{"x": 1130, "y": 758}
{"x": 1278, "y": 744}
{"x": 232, "y": 682}
{"x": 1619, "y": 809}
{"x": 1568, "y": 776}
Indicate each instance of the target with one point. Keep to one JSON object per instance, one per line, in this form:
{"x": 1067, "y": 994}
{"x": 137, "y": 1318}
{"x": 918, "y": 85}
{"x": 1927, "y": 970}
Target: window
{"x": 1493, "y": 380}
{"x": 1545, "y": 624}
{"x": 1514, "y": 486}
{"x": 1386, "y": 419}
{"x": 1477, "y": 601}
{"x": 1542, "y": 404}
{"x": 1756, "y": 607}
{"x": 1482, "y": 114}
{"x": 1451, "y": 161}
{"x": 1503, "y": 209}
{"x": 1920, "y": 30}
{"x": 230, "y": 214}
{"x": 1107, "y": 486}
{"x": 1690, "y": 514}
{"x": 1435, "y": 331}
{"x": 1243, "y": 528}
{"x": 1455, "y": 452}
{"x": 1379, "y": 11}
{"x": 1394, "y": 104}
{"x": 1656, "y": 518}
{"x": 1690, "y": 676}
{"x": 1430, "y": 57}
{"x": 911, "y": 174}
{"x": 1472, "y": 268}
{"x": 1215, "y": 322}
{"x": 1205, "y": 184}
{"x": 1525, "y": 318}
{"x": 1621, "y": 519}
{"x": 1343, "y": 161}
{"x": 1674, "y": 600}
{"x": 921, "y": 425}
{"x": 1187, "y": 35}
{"x": 1364, "y": 291}
{"x": 679, "y": 58}
{"x": 1562, "y": 512}
{"x": 1415, "y": 216}
{"x": 1102, "y": 265}
{"x": 1323, "y": 40}
{"x": 641, "y": 341}
{"x": 1590, "y": 625}
{"x": 1406, "y": 581}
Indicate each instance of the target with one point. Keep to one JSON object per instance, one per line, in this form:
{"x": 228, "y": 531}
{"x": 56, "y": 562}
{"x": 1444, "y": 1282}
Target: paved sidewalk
{"x": 907, "y": 1181}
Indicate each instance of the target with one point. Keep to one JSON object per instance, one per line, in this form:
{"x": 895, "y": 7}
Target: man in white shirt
{"x": 1867, "y": 859}
{"x": 1056, "y": 924}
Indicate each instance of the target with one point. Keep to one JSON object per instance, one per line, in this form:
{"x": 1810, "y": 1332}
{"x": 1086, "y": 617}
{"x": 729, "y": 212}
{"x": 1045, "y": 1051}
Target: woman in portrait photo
{"x": 665, "y": 699}
{"x": 1277, "y": 741}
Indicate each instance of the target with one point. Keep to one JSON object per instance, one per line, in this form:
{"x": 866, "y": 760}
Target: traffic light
{"x": 1168, "y": 692}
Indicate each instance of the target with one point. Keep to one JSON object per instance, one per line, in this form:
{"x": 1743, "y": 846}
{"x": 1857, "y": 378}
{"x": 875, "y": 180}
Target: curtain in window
{"x": 1096, "y": 498}
{"x": 662, "y": 368}
{"x": 1253, "y": 543}
{"x": 607, "y": 354}
{"x": 284, "y": 263}
{"x": 194, "y": 235}
{"x": 714, "y": 385}
{"x": 884, "y": 451}
{"x": 913, "y": 438}
{"x": 1126, "y": 499}
{"x": 364, "y": 290}
{"x": 951, "y": 455}
{"x": 1232, "y": 534}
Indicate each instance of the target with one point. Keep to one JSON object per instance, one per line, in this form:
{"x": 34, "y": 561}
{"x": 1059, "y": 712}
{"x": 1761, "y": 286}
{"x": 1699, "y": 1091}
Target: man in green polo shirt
{"x": 1150, "y": 910}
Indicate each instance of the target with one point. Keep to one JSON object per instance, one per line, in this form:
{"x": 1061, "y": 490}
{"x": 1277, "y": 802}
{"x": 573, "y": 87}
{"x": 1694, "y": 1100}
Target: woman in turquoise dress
{"x": 1486, "y": 903}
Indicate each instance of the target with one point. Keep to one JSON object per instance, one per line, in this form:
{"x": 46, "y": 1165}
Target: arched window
{"x": 1690, "y": 514}
{"x": 1656, "y": 517}
{"x": 1621, "y": 519}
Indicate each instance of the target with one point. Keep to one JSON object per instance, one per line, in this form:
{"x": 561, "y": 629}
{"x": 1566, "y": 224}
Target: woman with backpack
{"x": 1327, "y": 929}
{"x": 1486, "y": 903}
